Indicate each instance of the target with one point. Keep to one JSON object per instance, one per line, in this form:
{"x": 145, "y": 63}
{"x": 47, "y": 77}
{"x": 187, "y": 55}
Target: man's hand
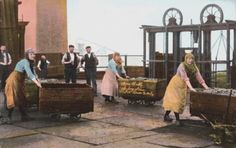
{"x": 2, "y": 63}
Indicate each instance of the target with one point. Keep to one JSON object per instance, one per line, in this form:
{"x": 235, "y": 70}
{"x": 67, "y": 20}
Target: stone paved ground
{"x": 110, "y": 125}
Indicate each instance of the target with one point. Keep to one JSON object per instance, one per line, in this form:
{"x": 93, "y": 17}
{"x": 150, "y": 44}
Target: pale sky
{"x": 115, "y": 24}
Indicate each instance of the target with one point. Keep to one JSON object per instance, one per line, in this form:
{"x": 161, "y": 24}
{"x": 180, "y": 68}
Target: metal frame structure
{"x": 201, "y": 35}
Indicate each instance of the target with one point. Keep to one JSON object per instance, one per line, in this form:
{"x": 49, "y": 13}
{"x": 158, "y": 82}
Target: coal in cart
{"x": 141, "y": 90}
{"x": 218, "y": 107}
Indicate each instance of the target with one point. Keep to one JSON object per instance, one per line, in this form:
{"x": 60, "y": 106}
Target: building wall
{"x": 47, "y": 30}
{"x": 27, "y": 12}
{"x": 52, "y": 25}
{"x": 9, "y": 27}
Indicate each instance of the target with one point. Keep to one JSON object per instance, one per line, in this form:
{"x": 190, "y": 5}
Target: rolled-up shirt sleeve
{"x": 112, "y": 66}
{"x": 199, "y": 78}
{"x": 28, "y": 71}
{"x": 182, "y": 73}
{"x": 63, "y": 58}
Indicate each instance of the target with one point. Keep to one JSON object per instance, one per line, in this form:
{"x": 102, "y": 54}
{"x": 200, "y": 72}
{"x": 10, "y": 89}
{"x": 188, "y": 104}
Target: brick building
{"x": 47, "y": 28}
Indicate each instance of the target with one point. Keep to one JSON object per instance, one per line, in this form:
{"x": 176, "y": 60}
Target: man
{"x": 91, "y": 63}
{"x": 71, "y": 61}
{"x": 5, "y": 62}
{"x": 43, "y": 67}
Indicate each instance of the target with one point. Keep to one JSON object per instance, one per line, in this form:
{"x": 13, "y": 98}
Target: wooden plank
{"x": 212, "y": 27}
{"x": 232, "y": 108}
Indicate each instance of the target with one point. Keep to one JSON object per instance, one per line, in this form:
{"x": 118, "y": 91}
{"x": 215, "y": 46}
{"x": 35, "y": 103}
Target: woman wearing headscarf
{"x": 109, "y": 85}
{"x": 14, "y": 89}
{"x": 176, "y": 92}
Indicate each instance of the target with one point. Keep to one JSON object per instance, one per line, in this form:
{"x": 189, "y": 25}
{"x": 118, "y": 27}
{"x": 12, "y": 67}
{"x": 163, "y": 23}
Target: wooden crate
{"x": 233, "y": 78}
{"x": 232, "y": 108}
{"x": 135, "y": 71}
{"x": 66, "y": 98}
{"x": 138, "y": 89}
{"x": 214, "y": 104}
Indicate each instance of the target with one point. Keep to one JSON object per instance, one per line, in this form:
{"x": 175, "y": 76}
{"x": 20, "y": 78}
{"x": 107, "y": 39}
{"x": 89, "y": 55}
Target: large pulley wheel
{"x": 172, "y": 17}
{"x": 211, "y": 13}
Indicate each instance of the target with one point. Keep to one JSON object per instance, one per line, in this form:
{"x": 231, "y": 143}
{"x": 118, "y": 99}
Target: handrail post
{"x": 125, "y": 60}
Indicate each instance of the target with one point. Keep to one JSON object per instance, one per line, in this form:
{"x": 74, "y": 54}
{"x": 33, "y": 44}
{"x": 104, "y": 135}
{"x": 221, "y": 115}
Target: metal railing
{"x": 128, "y": 60}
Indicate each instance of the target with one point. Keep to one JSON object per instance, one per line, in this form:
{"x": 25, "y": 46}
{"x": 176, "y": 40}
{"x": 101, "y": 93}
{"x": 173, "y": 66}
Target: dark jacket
{"x": 68, "y": 58}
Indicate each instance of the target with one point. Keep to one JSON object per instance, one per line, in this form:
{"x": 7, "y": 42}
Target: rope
{"x": 102, "y": 46}
{"x": 220, "y": 37}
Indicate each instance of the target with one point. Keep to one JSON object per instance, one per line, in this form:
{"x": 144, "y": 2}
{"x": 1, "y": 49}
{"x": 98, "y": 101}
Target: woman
{"x": 120, "y": 68}
{"x": 109, "y": 84}
{"x": 176, "y": 91}
{"x": 14, "y": 89}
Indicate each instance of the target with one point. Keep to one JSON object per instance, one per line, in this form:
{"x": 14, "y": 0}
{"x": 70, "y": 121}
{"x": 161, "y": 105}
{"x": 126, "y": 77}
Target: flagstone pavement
{"x": 109, "y": 126}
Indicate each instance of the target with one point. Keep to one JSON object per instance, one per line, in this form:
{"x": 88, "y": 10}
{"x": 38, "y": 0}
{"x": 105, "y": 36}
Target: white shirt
{"x": 5, "y": 58}
{"x": 72, "y": 57}
{"x": 89, "y": 54}
{"x": 39, "y": 63}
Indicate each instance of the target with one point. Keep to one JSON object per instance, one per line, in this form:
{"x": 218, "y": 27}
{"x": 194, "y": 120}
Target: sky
{"x": 113, "y": 25}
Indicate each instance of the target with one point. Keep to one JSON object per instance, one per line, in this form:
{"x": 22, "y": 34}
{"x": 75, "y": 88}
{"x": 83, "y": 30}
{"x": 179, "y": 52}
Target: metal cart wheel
{"x": 149, "y": 103}
{"x": 138, "y": 101}
{"x": 172, "y": 16}
{"x": 129, "y": 101}
{"x": 75, "y": 116}
{"x": 211, "y": 13}
{"x": 55, "y": 116}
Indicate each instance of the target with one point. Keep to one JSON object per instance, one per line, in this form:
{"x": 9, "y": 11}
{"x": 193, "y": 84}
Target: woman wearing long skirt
{"x": 176, "y": 92}
{"x": 109, "y": 86}
{"x": 14, "y": 89}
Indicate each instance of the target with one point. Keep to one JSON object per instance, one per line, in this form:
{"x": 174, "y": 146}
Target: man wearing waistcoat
{"x": 71, "y": 61}
{"x": 91, "y": 63}
{"x": 5, "y": 62}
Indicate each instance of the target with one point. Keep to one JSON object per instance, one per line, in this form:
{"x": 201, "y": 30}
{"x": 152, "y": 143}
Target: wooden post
{"x": 21, "y": 37}
{"x": 176, "y": 50}
{"x": 152, "y": 69}
{"x": 233, "y": 72}
{"x": 144, "y": 51}
{"x": 207, "y": 56}
{"x": 228, "y": 55}
{"x": 167, "y": 56}
{"x": 126, "y": 61}
{"x": 200, "y": 47}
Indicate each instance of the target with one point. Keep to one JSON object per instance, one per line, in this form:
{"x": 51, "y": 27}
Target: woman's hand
{"x": 39, "y": 85}
{"x": 205, "y": 86}
{"x": 120, "y": 77}
{"x": 192, "y": 89}
{"x": 37, "y": 82}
